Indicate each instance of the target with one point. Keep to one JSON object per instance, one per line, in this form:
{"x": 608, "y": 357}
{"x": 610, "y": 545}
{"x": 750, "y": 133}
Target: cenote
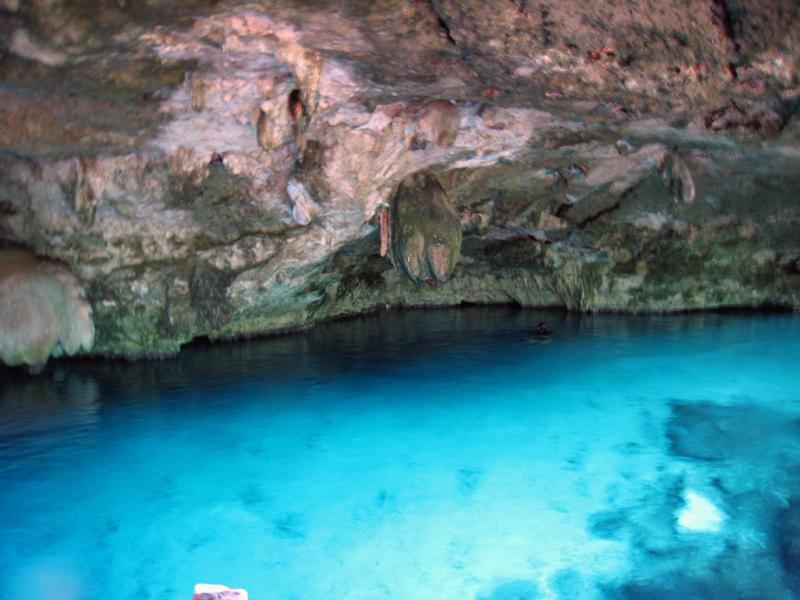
{"x": 443, "y": 454}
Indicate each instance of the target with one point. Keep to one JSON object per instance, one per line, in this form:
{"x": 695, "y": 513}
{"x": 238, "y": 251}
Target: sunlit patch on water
{"x": 432, "y": 455}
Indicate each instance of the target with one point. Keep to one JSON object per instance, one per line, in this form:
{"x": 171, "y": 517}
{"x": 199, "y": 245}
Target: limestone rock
{"x": 678, "y": 178}
{"x": 304, "y": 208}
{"x": 269, "y": 136}
{"x": 198, "y": 92}
{"x": 215, "y": 169}
{"x": 42, "y": 310}
{"x": 427, "y": 230}
{"x": 439, "y": 122}
{"x": 24, "y": 45}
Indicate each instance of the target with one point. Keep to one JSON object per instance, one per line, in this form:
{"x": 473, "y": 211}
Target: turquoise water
{"x": 440, "y": 455}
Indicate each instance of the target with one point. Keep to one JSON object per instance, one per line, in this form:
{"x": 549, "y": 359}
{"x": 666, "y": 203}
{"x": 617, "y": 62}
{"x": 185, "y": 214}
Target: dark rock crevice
{"x": 440, "y": 20}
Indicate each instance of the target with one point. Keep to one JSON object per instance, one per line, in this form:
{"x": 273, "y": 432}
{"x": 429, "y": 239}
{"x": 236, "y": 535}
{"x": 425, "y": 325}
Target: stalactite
{"x": 199, "y": 91}
{"x": 682, "y": 175}
{"x": 384, "y": 220}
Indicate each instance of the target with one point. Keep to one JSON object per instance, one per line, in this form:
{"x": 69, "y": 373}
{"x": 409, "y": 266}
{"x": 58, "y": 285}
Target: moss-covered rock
{"x": 218, "y": 181}
{"x": 426, "y": 230}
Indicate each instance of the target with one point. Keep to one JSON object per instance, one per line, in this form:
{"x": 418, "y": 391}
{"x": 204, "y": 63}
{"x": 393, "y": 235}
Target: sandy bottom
{"x": 439, "y": 455}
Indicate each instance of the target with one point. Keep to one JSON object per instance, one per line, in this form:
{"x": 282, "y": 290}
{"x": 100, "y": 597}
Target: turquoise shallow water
{"x": 439, "y": 455}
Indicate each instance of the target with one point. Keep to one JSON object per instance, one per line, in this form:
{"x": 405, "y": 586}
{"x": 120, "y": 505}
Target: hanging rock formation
{"x": 427, "y": 230}
{"x": 592, "y": 163}
{"x": 42, "y": 310}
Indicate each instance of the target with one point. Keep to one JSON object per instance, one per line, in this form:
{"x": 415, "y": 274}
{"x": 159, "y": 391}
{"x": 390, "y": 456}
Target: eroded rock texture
{"x": 42, "y": 310}
{"x": 427, "y": 230}
{"x": 221, "y": 168}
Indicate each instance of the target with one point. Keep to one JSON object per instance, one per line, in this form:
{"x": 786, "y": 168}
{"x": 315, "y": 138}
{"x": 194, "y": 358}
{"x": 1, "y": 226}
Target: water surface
{"x": 440, "y": 454}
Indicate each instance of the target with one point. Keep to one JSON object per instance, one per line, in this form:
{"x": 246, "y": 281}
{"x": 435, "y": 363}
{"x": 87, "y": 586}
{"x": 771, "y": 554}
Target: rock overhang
{"x": 594, "y": 163}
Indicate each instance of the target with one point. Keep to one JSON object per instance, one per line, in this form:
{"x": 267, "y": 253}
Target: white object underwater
{"x": 699, "y": 514}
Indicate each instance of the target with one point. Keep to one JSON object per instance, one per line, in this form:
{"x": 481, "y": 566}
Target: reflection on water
{"x": 375, "y": 342}
{"x": 423, "y": 454}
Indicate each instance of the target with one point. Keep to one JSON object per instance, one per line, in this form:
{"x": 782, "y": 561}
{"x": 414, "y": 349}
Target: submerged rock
{"x": 788, "y": 536}
{"x": 608, "y": 525}
{"x": 675, "y": 585}
{"x": 716, "y": 432}
{"x": 723, "y": 527}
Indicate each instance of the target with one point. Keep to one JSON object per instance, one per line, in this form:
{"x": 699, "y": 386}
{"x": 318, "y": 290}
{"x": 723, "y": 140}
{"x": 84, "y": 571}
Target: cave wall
{"x": 220, "y": 168}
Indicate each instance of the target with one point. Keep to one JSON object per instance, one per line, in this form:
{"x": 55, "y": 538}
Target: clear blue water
{"x": 416, "y": 455}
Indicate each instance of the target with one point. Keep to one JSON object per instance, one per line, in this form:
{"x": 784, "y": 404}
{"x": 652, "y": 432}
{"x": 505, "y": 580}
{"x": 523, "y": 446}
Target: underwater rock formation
{"x": 738, "y": 534}
{"x": 594, "y": 164}
{"x": 707, "y": 431}
{"x": 42, "y": 310}
{"x": 789, "y": 542}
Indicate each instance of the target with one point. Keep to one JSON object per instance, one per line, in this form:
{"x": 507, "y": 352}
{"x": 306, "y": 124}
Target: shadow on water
{"x": 74, "y": 391}
{"x": 371, "y": 343}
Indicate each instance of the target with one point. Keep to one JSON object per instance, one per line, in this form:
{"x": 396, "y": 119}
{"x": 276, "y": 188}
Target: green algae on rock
{"x": 220, "y": 169}
{"x": 426, "y": 231}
